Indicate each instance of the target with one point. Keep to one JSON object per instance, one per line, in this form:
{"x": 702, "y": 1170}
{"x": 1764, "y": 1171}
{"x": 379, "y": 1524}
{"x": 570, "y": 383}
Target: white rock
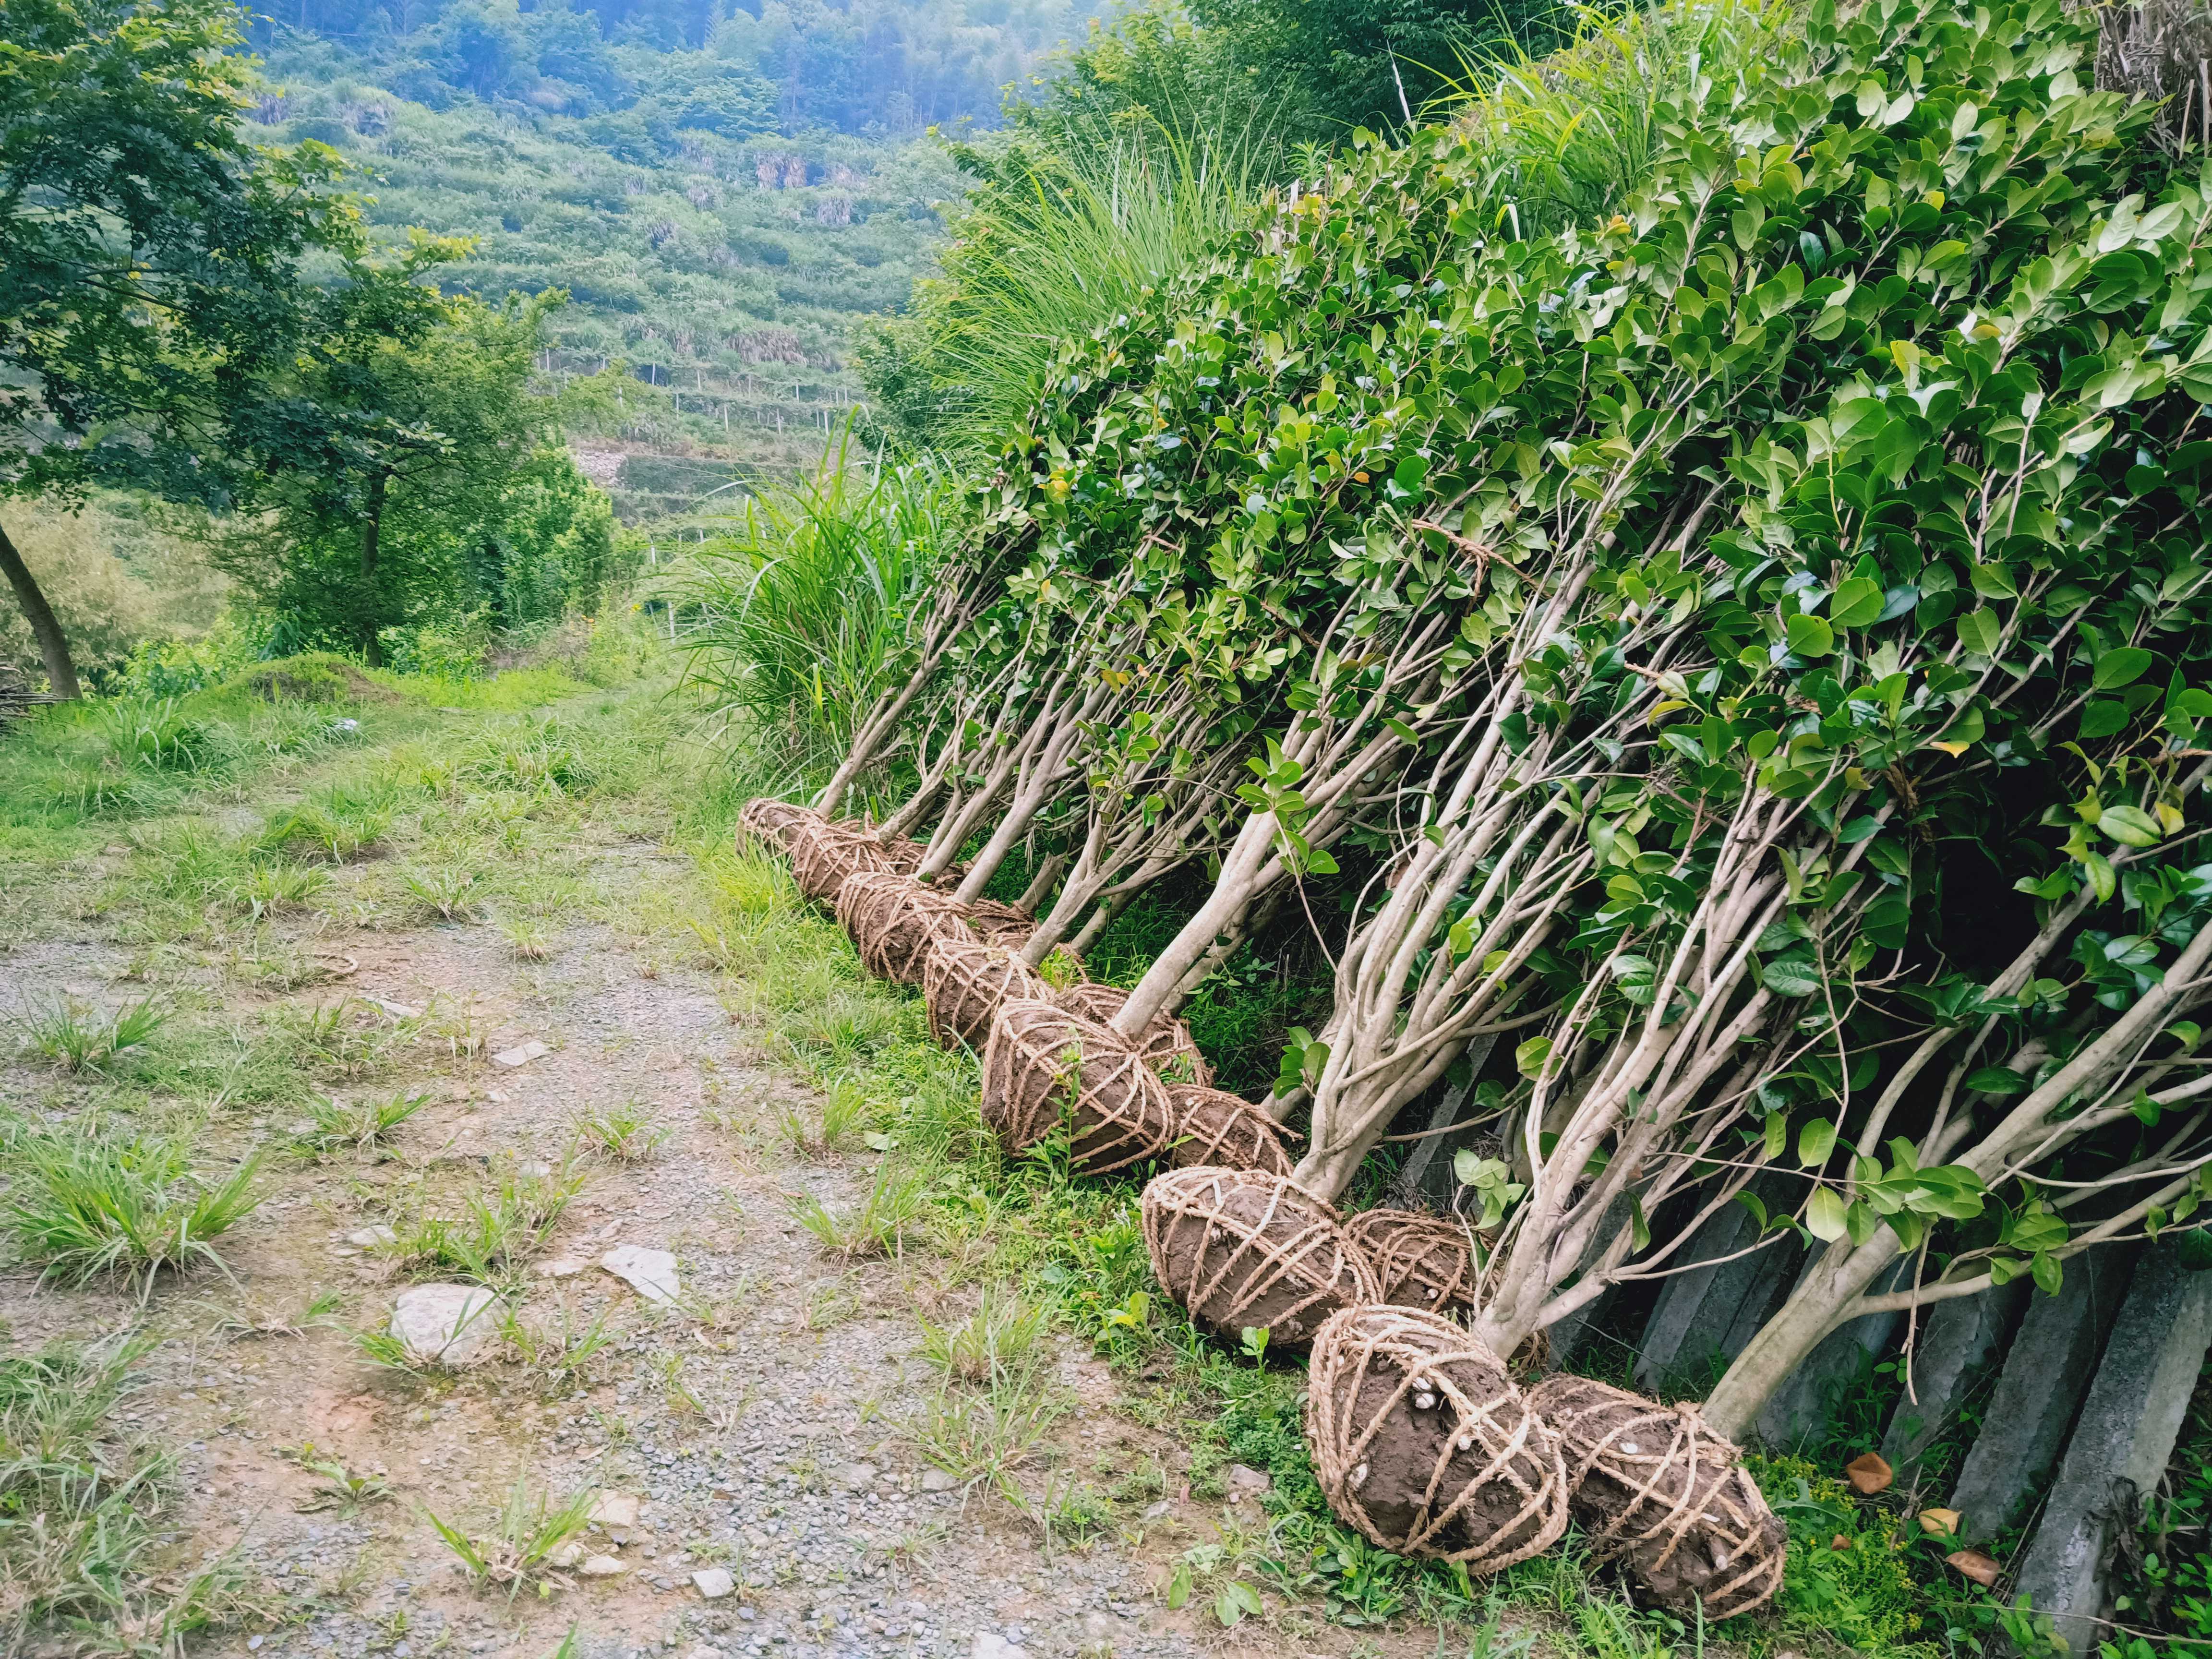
{"x": 989, "y": 1645}
{"x": 937, "y": 1480}
{"x": 615, "y": 1509}
{"x": 714, "y": 1582}
{"x": 565, "y": 1557}
{"x": 452, "y": 1325}
{"x": 521, "y": 1055}
{"x": 372, "y": 1238}
{"x": 705, "y": 1650}
{"x": 651, "y": 1273}
{"x": 561, "y": 1267}
{"x": 858, "y": 1477}
{"x": 602, "y": 1566}
{"x": 396, "y": 1010}
{"x": 1245, "y": 1481}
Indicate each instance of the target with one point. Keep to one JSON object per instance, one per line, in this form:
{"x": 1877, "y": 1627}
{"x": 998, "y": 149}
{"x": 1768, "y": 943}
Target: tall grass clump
{"x": 797, "y": 609}
{"x": 1059, "y": 242}
{"x": 1572, "y": 134}
{"x": 89, "y": 1204}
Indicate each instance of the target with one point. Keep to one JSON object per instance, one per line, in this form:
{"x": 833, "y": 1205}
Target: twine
{"x": 1224, "y": 1131}
{"x": 767, "y": 819}
{"x": 999, "y": 924}
{"x": 1166, "y": 1043}
{"x": 893, "y": 920}
{"x": 824, "y": 855}
{"x": 1241, "y": 1248}
{"x": 1419, "y": 1259}
{"x": 1654, "y": 1484}
{"x": 1043, "y": 1065}
{"x": 963, "y": 985}
{"x": 1420, "y": 1441}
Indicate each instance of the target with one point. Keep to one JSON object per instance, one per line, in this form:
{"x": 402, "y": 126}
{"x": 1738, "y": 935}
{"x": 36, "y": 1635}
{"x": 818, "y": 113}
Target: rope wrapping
{"x": 770, "y": 820}
{"x": 1651, "y": 1483}
{"x": 1419, "y": 1259}
{"x": 963, "y": 985}
{"x": 1421, "y": 1442}
{"x": 1044, "y": 1066}
{"x": 1240, "y": 1249}
{"x": 1167, "y": 1044}
{"x": 1222, "y": 1130}
{"x": 999, "y": 924}
{"x": 823, "y": 854}
{"x": 893, "y": 921}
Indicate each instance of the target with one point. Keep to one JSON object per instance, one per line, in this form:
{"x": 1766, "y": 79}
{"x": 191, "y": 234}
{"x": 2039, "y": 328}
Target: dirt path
{"x": 760, "y": 1423}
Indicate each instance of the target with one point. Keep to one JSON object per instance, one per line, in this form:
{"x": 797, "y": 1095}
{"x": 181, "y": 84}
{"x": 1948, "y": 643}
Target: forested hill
{"x": 724, "y": 196}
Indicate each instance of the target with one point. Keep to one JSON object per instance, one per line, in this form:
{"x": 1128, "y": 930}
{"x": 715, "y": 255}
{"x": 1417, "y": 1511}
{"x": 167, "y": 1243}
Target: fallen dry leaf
{"x": 1840, "y": 1542}
{"x": 1940, "y": 1521}
{"x": 1868, "y": 1473}
{"x": 1976, "y": 1566}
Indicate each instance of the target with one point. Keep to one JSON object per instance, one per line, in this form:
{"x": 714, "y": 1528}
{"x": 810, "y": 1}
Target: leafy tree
{"x": 148, "y": 257}
{"x": 412, "y": 476}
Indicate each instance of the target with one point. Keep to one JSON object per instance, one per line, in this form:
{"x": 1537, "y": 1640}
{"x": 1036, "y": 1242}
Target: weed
{"x": 331, "y": 1124}
{"x": 526, "y": 938}
{"x": 496, "y": 1234}
{"x": 272, "y": 886}
{"x": 259, "y": 1321}
{"x": 442, "y": 890}
{"x": 989, "y": 1433}
{"x": 338, "y": 820}
{"x": 877, "y": 1226}
{"x": 527, "y": 1533}
{"x": 626, "y": 1132}
{"x": 668, "y": 1369}
{"x": 91, "y": 1205}
{"x": 76, "y": 1039}
{"x": 154, "y": 733}
{"x": 1000, "y": 1338}
{"x": 338, "y": 1486}
{"x": 845, "y": 1112}
{"x": 558, "y": 1357}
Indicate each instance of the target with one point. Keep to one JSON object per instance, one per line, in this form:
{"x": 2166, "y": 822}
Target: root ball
{"x": 893, "y": 920}
{"x": 1421, "y": 1440}
{"x": 963, "y": 984}
{"x": 1241, "y": 1248}
{"x": 1224, "y": 1131}
{"x": 1419, "y": 1259}
{"x": 1653, "y": 1484}
{"x": 1166, "y": 1044}
{"x": 1043, "y": 1065}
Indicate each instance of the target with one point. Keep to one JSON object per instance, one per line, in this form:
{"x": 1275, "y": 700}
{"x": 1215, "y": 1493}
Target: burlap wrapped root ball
{"x": 1652, "y": 1484}
{"x": 824, "y": 855}
{"x": 893, "y": 920}
{"x": 1166, "y": 1043}
{"x": 1419, "y": 1259}
{"x": 1218, "y": 1130}
{"x": 770, "y": 820}
{"x": 999, "y": 924}
{"x": 963, "y": 985}
{"x": 1420, "y": 1441}
{"x": 1044, "y": 1066}
{"x": 1242, "y": 1250}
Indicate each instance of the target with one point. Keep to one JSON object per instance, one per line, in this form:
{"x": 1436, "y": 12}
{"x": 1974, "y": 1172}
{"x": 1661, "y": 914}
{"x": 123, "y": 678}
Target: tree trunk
{"x": 53, "y": 644}
{"x": 372, "y": 650}
{"x": 1822, "y": 1301}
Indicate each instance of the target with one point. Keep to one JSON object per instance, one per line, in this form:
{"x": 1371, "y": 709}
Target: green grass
{"x": 333, "y": 1126}
{"x": 74, "y": 1038}
{"x": 87, "y": 1204}
{"x": 515, "y": 1550}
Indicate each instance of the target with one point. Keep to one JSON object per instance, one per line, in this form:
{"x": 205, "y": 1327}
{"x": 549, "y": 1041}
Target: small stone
{"x": 857, "y": 1477}
{"x": 714, "y": 1582}
{"x": 396, "y": 1010}
{"x": 375, "y": 1237}
{"x": 1245, "y": 1481}
{"x": 937, "y": 1480}
{"x": 561, "y": 1267}
{"x": 651, "y": 1273}
{"x": 452, "y": 1325}
{"x": 565, "y": 1557}
{"x": 704, "y": 1650}
{"x": 521, "y": 1055}
{"x": 602, "y": 1566}
{"x": 615, "y": 1510}
{"x": 989, "y": 1645}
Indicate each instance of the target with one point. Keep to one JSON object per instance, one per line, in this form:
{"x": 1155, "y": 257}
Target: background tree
{"x": 411, "y": 474}
{"x": 149, "y": 259}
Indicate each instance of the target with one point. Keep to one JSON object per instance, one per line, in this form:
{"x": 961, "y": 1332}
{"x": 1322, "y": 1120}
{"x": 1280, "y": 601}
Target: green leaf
{"x": 2049, "y": 1273}
{"x": 1814, "y": 1142}
{"x": 1857, "y": 602}
{"x": 1810, "y": 637}
{"x": 1998, "y": 1080}
{"x": 1792, "y": 977}
{"x": 1753, "y": 1202}
{"x": 1825, "y": 1217}
{"x": 2131, "y": 825}
{"x": 1179, "y": 1586}
{"x": 2120, "y": 667}
{"x": 1979, "y": 632}
{"x": 1319, "y": 863}
{"x": 1529, "y": 1059}
{"x": 1777, "y": 1135}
